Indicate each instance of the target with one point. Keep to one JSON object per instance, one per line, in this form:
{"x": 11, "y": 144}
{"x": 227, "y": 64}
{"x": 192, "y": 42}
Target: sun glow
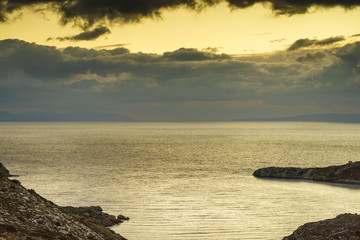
{"x": 252, "y": 30}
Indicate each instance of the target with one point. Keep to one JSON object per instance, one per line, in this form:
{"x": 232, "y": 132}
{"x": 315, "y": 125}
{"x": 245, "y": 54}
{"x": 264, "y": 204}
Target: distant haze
{"x": 344, "y": 118}
{"x": 60, "y": 117}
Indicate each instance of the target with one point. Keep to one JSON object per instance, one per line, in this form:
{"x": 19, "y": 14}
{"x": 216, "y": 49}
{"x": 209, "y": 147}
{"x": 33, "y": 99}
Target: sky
{"x": 180, "y": 60}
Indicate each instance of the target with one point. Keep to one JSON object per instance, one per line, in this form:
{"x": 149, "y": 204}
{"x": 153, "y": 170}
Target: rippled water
{"x": 186, "y": 180}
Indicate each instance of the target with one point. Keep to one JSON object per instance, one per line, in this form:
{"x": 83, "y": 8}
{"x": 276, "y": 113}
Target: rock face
{"x": 344, "y": 226}
{"x": 24, "y": 214}
{"x": 279, "y": 172}
{"x": 3, "y": 171}
{"x": 348, "y": 173}
{"x": 96, "y": 214}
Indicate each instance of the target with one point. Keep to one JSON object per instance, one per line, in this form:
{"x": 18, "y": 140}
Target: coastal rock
{"x": 122, "y": 218}
{"x": 348, "y": 173}
{"x": 290, "y": 172}
{"x": 345, "y": 226}
{"x": 3, "y": 171}
{"x": 96, "y": 214}
{"x": 24, "y": 214}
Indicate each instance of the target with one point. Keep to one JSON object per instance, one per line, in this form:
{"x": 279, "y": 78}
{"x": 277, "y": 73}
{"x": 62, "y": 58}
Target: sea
{"x": 189, "y": 180}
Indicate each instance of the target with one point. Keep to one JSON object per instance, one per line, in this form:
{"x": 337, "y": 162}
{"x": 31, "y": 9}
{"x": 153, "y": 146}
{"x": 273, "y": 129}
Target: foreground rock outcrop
{"x": 24, "y": 214}
{"x": 344, "y": 226}
{"x": 96, "y": 214}
{"x": 3, "y": 171}
{"x": 348, "y": 173}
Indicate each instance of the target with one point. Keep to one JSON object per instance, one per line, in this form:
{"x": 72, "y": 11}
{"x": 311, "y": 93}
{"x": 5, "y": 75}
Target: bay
{"x": 186, "y": 180}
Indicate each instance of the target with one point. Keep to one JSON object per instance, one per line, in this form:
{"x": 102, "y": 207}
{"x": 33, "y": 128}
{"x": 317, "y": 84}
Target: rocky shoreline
{"x": 24, "y": 214}
{"x": 347, "y": 173}
{"x": 345, "y": 226}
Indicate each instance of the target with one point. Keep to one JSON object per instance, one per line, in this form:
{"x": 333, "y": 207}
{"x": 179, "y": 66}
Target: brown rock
{"x": 96, "y": 214}
{"x": 3, "y": 171}
{"x": 344, "y": 226}
{"x": 347, "y": 173}
{"x": 24, "y": 214}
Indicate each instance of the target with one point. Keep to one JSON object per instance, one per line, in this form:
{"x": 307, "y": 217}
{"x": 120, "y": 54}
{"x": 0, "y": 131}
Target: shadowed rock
{"x": 24, "y": 214}
{"x": 348, "y": 173}
{"x": 3, "y": 171}
{"x": 345, "y": 226}
{"x": 280, "y": 172}
{"x": 96, "y": 214}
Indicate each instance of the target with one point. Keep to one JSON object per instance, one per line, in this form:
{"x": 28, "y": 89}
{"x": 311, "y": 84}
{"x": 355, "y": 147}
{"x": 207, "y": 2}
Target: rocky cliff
{"x": 24, "y": 214}
{"x": 3, "y": 171}
{"x": 344, "y": 226}
{"x": 348, "y": 173}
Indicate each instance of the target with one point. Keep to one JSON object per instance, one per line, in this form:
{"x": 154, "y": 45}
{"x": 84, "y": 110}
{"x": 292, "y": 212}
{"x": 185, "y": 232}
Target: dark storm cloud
{"x": 91, "y": 12}
{"x": 87, "y": 35}
{"x": 312, "y": 57}
{"x": 344, "y": 73}
{"x": 110, "y": 46}
{"x": 306, "y": 42}
{"x": 301, "y": 43}
{"x": 97, "y": 11}
{"x": 290, "y": 7}
{"x": 29, "y": 57}
{"x": 331, "y": 40}
{"x": 186, "y": 81}
{"x": 192, "y": 54}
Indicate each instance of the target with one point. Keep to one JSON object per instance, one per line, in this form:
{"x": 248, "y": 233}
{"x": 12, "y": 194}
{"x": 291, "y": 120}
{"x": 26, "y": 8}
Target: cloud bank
{"x": 185, "y": 84}
{"x": 87, "y": 13}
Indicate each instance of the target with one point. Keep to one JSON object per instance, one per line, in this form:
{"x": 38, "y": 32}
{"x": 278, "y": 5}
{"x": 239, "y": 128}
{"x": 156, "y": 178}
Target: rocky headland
{"x": 347, "y": 173}
{"x": 24, "y": 214}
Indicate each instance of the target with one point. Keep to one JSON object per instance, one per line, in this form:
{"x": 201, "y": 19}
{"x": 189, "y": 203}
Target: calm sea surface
{"x": 186, "y": 180}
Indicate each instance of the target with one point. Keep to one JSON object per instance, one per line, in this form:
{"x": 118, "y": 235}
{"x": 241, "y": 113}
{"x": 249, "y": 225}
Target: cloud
{"x": 125, "y": 11}
{"x": 185, "y": 84}
{"x": 312, "y": 57}
{"x": 192, "y": 54}
{"x": 331, "y": 40}
{"x": 87, "y": 35}
{"x": 301, "y": 43}
{"x": 277, "y": 40}
{"x": 306, "y": 42}
{"x": 111, "y": 46}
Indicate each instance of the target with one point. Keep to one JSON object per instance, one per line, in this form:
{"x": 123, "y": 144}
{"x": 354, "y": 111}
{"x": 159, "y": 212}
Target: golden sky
{"x": 226, "y": 61}
{"x": 251, "y": 30}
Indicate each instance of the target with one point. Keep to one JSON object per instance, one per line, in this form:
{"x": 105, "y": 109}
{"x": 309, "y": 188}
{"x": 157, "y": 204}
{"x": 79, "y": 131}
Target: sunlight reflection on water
{"x": 186, "y": 180}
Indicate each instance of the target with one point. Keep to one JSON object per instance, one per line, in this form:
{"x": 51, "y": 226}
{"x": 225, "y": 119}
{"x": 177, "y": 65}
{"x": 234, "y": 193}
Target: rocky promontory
{"x": 24, "y": 214}
{"x": 96, "y": 214}
{"x": 347, "y": 173}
